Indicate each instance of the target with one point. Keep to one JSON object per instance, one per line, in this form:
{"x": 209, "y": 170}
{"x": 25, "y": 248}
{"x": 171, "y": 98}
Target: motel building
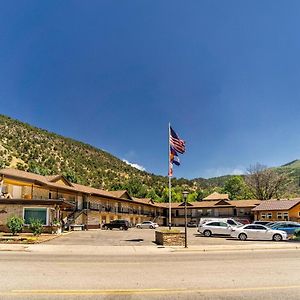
{"x": 278, "y": 210}
{"x": 54, "y": 198}
{"x": 214, "y": 205}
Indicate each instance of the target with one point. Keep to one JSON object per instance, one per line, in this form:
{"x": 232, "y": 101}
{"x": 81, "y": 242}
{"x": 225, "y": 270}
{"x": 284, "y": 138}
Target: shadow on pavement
{"x": 135, "y": 240}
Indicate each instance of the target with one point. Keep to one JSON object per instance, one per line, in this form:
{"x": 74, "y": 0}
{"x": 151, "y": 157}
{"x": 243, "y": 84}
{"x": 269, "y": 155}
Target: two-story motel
{"x": 52, "y": 198}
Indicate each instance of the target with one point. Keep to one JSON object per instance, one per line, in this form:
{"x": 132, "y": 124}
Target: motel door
{"x": 216, "y": 212}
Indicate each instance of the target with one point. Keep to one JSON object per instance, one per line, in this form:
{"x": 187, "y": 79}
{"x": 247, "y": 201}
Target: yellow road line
{"x": 150, "y": 291}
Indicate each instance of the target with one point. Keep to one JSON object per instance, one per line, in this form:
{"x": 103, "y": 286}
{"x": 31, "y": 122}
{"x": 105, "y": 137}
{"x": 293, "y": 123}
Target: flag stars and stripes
{"x": 176, "y": 142}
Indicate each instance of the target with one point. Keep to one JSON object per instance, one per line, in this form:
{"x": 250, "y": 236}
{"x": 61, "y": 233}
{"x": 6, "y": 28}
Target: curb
{"x": 233, "y": 249}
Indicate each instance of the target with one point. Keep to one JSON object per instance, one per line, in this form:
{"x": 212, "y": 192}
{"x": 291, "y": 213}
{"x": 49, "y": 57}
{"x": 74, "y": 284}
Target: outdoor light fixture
{"x": 185, "y": 195}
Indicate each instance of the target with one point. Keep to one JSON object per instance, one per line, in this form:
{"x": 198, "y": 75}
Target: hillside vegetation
{"x": 28, "y": 148}
{"x": 36, "y": 150}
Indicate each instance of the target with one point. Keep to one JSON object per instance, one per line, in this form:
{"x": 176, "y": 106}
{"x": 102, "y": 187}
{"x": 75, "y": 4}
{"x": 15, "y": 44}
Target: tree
{"x": 265, "y": 183}
{"x": 236, "y": 188}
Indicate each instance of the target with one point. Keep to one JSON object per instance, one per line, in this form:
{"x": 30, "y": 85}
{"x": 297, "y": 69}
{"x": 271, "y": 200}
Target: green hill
{"x": 36, "y": 150}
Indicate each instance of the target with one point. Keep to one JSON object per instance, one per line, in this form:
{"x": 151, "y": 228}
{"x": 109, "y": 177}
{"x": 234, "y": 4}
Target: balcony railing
{"x": 107, "y": 208}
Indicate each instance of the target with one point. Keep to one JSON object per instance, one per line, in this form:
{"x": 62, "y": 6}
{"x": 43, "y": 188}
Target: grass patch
{"x": 25, "y": 238}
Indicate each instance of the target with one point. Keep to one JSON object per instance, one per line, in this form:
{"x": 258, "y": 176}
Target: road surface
{"x": 261, "y": 274}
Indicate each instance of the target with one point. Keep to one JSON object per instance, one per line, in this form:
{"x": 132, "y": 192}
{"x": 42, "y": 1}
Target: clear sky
{"x": 226, "y": 74}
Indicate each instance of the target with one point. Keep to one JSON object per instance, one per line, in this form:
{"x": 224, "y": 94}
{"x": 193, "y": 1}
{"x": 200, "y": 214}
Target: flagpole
{"x": 170, "y": 193}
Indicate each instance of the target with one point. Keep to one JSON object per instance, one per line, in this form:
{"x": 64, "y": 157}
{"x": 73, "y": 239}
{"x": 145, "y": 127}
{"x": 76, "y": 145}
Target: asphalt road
{"x": 272, "y": 274}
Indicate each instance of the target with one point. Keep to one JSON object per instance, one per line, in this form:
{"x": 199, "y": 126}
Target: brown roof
{"x": 91, "y": 190}
{"x": 52, "y": 177}
{"x": 47, "y": 180}
{"x": 23, "y": 174}
{"x": 144, "y": 200}
{"x": 197, "y": 204}
{"x": 36, "y": 178}
{"x": 216, "y": 196}
{"x": 119, "y": 193}
{"x": 245, "y": 203}
{"x": 276, "y": 205}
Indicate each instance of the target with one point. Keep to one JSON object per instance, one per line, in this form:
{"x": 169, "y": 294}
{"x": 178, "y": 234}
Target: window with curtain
{"x": 35, "y": 213}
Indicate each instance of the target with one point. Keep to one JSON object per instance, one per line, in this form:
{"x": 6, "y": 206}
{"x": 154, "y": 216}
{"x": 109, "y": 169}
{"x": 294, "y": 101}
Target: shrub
{"x": 36, "y": 226}
{"x": 297, "y": 233}
{"x": 15, "y": 225}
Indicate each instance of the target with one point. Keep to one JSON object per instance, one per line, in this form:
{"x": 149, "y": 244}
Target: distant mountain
{"x": 292, "y": 164}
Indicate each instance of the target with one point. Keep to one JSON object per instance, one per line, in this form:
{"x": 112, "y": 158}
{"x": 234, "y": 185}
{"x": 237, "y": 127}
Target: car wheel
{"x": 151, "y": 227}
{"x": 138, "y": 227}
{"x": 277, "y": 237}
{"x": 105, "y": 227}
{"x": 121, "y": 228}
{"x": 110, "y": 228}
{"x": 243, "y": 237}
{"x": 207, "y": 233}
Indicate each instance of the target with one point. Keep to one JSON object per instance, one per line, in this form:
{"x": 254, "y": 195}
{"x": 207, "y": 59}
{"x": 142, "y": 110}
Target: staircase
{"x": 73, "y": 216}
{"x": 155, "y": 219}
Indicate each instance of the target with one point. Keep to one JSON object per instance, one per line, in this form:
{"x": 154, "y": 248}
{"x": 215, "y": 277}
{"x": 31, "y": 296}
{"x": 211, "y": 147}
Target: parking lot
{"x": 139, "y": 237}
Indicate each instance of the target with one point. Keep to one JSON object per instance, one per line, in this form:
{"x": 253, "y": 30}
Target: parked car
{"x": 243, "y": 221}
{"x": 257, "y": 232}
{"x": 214, "y": 228}
{"x": 229, "y": 221}
{"x": 266, "y": 223}
{"x": 119, "y": 224}
{"x": 288, "y": 227}
{"x": 147, "y": 224}
{"x": 192, "y": 223}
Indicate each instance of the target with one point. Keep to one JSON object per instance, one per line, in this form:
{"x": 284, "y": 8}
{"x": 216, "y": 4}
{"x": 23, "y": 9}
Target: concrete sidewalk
{"x": 143, "y": 250}
{"x": 247, "y": 247}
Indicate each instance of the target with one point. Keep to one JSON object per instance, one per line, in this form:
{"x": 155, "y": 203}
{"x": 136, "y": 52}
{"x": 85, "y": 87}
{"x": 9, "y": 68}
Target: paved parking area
{"x": 138, "y": 237}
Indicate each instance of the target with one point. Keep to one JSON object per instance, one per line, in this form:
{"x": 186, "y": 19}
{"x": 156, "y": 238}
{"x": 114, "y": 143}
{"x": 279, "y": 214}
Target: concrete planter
{"x": 169, "y": 238}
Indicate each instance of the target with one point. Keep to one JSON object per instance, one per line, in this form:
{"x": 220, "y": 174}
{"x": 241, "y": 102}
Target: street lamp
{"x": 185, "y": 194}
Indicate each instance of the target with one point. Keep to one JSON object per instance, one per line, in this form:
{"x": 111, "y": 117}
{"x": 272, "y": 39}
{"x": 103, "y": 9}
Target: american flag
{"x": 176, "y": 142}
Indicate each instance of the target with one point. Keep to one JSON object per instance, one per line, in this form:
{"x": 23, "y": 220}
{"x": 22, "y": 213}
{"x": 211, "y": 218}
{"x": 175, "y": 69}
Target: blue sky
{"x": 114, "y": 73}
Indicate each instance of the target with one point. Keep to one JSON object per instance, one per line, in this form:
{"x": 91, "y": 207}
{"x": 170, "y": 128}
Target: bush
{"x": 15, "y": 225}
{"x": 297, "y": 233}
{"x": 36, "y": 226}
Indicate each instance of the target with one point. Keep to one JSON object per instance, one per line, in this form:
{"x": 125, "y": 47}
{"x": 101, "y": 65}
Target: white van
{"x": 229, "y": 221}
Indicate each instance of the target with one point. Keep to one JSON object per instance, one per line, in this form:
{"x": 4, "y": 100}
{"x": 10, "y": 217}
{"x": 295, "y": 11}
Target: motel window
{"x": 269, "y": 215}
{"x": 209, "y": 212}
{"x": 285, "y": 215}
{"x": 35, "y": 213}
{"x": 279, "y": 216}
{"x": 263, "y": 215}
